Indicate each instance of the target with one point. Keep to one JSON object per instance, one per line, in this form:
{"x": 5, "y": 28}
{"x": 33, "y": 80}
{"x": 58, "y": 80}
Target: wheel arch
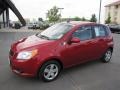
{"x": 51, "y": 59}
{"x": 111, "y": 48}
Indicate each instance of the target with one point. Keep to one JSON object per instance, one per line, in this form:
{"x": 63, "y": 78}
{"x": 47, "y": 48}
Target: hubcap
{"x": 108, "y": 55}
{"x": 51, "y": 71}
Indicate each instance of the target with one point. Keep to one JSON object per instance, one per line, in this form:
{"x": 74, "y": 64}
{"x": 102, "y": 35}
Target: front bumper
{"x": 24, "y": 68}
{"x": 22, "y": 73}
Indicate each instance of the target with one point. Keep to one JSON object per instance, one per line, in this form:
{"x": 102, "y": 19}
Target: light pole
{"x": 100, "y": 10}
{"x": 61, "y": 11}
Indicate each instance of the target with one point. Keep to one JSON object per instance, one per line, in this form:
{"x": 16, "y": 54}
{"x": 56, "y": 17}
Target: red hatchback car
{"x": 61, "y": 46}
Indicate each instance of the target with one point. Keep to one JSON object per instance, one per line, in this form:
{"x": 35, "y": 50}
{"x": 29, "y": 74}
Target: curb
{"x": 19, "y": 30}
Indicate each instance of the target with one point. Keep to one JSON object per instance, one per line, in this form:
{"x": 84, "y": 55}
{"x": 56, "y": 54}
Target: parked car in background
{"x": 62, "y": 45}
{"x": 16, "y": 25}
{"x": 114, "y": 27}
{"x": 30, "y": 26}
{"x": 34, "y": 25}
{"x": 38, "y": 25}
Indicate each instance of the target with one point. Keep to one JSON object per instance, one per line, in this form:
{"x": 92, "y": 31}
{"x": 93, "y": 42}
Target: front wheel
{"x": 107, "y": 56}
{"x": 49, "y": 71}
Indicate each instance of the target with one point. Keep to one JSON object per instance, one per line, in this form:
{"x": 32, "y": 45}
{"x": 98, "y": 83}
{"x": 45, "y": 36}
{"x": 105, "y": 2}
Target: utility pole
{"x": 100, "y": 11}
{"x": 61, "y": 11}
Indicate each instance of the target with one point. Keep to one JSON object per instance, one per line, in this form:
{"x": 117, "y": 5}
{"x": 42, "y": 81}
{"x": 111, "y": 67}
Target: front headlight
{"x": 27, "y": 54}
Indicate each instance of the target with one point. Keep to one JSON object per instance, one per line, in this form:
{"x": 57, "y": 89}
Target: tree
{"x": 108, "y": 21}
{"x": 93, "y": 18}
{"x": 77, "y": 19}
{"x": 83, "y": 19}
{"x": 53, "y": 14}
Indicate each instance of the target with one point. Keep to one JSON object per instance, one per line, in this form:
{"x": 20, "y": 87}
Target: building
{"x": 5, "y": 5}
{"x": 113, "y": 10}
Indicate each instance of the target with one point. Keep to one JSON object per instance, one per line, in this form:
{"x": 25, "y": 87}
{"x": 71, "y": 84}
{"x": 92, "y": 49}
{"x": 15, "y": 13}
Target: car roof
{"x": 79, "y": 22}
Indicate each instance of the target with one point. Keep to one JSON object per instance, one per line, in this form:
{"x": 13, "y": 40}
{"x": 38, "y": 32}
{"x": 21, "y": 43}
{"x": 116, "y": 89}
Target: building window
{"x": 115, "y": 13}
{"x": 109, "y": 8}
{"x": 115, "y": 20}
{"x": 116, "y": 7}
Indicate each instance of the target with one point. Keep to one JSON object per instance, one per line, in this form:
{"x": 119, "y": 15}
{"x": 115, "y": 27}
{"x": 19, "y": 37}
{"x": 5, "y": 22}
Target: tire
{"x": 49, "y": 71}
{"x": 107, "y": 56}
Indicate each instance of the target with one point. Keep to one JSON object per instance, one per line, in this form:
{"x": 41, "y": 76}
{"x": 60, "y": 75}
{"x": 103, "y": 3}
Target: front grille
{"x": 11, "y": 53}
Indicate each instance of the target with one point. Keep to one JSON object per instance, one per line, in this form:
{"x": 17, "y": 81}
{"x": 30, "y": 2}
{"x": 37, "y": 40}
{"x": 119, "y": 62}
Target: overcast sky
{"x": 38, "y": 8}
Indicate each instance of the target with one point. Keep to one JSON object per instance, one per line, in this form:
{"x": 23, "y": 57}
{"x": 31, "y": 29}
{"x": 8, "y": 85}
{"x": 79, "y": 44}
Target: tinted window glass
{"x": 99, "y": 31}
{"x": 83, "y": 33}
{"x": 106, "y": 30}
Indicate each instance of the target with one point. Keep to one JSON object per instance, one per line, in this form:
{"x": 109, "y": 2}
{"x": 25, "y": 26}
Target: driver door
{"x": 76, "y": 53}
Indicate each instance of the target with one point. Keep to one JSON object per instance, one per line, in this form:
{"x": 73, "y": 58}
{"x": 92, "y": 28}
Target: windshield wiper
{"x": 42, "y": 36}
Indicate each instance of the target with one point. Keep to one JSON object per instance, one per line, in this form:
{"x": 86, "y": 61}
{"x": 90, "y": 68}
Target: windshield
{"x": 56, "y": 31}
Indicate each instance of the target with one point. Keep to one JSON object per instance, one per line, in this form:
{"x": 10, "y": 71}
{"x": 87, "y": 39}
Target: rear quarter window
{"x": 100, "y": 31}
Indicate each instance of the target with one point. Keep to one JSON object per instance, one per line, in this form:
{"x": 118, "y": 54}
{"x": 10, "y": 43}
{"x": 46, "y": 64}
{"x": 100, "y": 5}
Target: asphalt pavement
{"x": 93, "y": 75}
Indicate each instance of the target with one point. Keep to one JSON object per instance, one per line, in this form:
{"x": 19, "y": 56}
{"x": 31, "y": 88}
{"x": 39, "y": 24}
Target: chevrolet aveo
{"x": 61, "y": 46}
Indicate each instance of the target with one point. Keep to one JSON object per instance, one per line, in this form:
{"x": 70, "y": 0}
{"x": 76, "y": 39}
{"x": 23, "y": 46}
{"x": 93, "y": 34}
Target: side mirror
{"x": 75, "y": 40}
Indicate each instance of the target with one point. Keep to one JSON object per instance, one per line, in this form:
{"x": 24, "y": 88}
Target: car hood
{"x": 31, "y": 41}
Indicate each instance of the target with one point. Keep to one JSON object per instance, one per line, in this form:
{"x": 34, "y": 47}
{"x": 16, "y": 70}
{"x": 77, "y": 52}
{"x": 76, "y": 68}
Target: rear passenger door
{"x": 100, "y": 38}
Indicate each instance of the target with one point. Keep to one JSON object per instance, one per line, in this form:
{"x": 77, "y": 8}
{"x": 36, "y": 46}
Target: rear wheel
{"x": 49, "y": 71}
{"x": 107, "y": 56}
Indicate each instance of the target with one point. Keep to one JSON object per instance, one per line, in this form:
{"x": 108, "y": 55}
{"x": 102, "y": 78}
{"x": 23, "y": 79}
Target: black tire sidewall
{"x": 104, "y": 56}
{"x": 41, "y": 71}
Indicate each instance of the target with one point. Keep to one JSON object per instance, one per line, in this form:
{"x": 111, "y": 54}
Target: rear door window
{"x": 100, "y": 31}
